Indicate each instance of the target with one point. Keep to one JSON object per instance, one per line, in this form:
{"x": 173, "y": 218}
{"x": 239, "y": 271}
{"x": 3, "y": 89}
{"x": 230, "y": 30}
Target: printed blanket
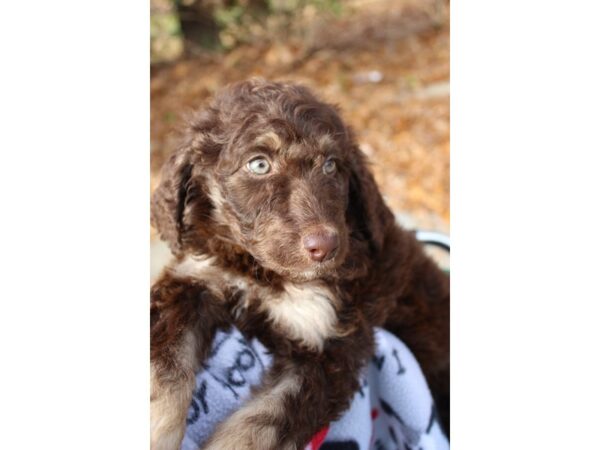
{"x": 393, "y": 408}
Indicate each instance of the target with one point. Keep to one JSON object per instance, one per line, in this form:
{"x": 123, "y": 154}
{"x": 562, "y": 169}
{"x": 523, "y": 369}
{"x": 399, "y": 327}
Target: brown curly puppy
{"x": 279, "y": 228}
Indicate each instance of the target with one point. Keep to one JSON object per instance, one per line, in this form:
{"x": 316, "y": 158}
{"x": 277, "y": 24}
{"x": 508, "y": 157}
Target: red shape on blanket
{"x": 374, "y": 414}
{"x": 318, "y": 438}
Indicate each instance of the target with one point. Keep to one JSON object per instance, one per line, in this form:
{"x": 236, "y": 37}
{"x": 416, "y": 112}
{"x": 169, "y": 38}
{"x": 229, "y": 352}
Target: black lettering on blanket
{"x": 401, "y": 368}
{"x": 244, "y": 361}
{"x": 390, "y": 411}
{"x": 198, "y": 399}
{"x": 340, "y": 445}
{"x": 224, "y": 383}
{"x": 408, "y": 447}
{"x": 235, "y": 376}
{"x": 378, "y": 361}
{"x": 246, "y": 344}
{"x": 412, "y": 435}
{"x": 217, "y": 345}
{"x": 432, "y": 418}
{"x": 379, "y": 445}
{"x": 363, "y": 384}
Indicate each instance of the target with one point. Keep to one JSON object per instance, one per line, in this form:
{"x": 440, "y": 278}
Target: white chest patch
{"x": 203, "y": 268}
{"x": 305, "y": 312}
{"x": 194, "y": 267}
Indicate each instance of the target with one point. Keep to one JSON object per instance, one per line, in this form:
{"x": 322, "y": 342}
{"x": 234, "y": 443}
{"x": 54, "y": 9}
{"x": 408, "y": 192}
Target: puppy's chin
{"x": 311, "y": 272}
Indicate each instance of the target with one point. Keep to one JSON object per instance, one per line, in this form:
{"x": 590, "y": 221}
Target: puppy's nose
{"x": 321, "y": 244}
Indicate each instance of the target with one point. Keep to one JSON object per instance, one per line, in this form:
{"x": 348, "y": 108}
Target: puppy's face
{"x": 284, "y": 197}
{"x": 272, "y": 170}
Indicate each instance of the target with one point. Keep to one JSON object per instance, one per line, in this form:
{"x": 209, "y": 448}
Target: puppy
{"x": 278, "y": 228}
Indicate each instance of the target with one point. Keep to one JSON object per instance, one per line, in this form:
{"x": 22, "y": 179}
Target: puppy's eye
{"x": 329, "y": 167}
{"x": 259, "y": 166}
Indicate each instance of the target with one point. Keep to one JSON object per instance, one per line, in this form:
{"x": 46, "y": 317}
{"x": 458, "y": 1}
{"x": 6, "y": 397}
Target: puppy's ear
{"x": 367, "y": 214}
{"x": 169, "y": 199}
{"x": 180, "y": 204}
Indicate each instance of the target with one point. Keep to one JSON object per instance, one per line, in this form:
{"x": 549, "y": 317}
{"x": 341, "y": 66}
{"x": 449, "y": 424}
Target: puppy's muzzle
{"x": 321, "y": 243}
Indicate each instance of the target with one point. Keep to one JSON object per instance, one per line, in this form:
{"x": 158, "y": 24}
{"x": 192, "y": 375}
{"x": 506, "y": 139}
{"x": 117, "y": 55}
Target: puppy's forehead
{"x": 270, "y": 139}
{"x": 318, "y": 143}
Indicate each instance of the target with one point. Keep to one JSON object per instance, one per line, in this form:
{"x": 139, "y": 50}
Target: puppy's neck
{"x": 304, "y": 313}
{"x": 233, "y": 258}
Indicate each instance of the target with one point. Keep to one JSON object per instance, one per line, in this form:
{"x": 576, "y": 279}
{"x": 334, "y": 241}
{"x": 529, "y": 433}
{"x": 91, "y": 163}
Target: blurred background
{"x": 384, "y": 62}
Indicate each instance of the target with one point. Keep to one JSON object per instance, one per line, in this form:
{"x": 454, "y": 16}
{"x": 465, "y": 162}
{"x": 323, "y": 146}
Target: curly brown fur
{"x": 242, "y": 258}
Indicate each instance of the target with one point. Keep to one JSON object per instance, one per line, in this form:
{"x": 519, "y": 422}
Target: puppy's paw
{"x": 246, "y": 437}
{"x": 169, "y": 403}
{"x": 166, "y": 439}
{"x": 166, "y": 425}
